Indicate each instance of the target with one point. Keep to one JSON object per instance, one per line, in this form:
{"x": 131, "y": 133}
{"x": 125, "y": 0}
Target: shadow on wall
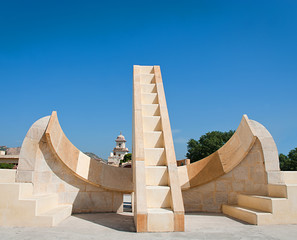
{"x": 119, "y": 222}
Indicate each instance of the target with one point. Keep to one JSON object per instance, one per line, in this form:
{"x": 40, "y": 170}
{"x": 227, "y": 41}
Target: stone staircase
{"x": 162, "y": 189}
{"x": 160, "y": 214}
{"x": 279, "y": 207}
{"x": 19, "y": 207}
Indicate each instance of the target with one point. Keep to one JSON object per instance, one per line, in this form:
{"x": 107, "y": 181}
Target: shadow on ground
{"x": 219, "y": 216}
{"x": 120, "y": 222}
{"x": 194, "y": 221}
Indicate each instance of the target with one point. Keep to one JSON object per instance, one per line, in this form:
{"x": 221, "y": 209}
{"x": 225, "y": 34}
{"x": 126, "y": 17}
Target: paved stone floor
{"x": 120, "y": 226}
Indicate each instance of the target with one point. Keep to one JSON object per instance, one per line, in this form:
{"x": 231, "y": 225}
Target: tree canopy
{"x": 127, "y": 157}
{"x": 6, "y": 165}
{"x": 212, "y": 141}
{"x": 207, "y": 144}
{"x": 288, "y": 163}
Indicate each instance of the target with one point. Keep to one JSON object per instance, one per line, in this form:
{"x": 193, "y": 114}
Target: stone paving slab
{"x": 120, "y": 226}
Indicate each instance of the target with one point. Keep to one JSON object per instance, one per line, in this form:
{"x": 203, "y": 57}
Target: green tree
{"x": 288, "y": 163}
{"x": 284, "y": 162}
{"x": 6, "y": 165}
{"x": 207, "y": 144}
{"x": 127, "y": 157}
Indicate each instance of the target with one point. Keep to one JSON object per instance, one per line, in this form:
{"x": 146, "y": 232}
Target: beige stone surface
{"x": 265, "y": 210}
{"x": 247, "y": 164}
{"x": 139, "y": 179}
{"x": 156, "y": 175}
{"x": 154, "y": 157}
{"x": 154, "y": 164}
{"x": 176, "y": 195}
{"x": 86, "y": 168}
{"x": 160, "y": 220}
{"x": 289, "y": 177}
{"x": 152, "y": 123}
{"x": 7, "y": 175}
{"x": 83, "y": 165}
{"x": 49, "y": 188}
{"x": 18, "y": 207}
{"x": 244, "y": 178}
{"x": 264, "y": 195}
{"x": 150, "y": 110}
{"x": 140, "y": 197}
{"x": 158, "y": 196}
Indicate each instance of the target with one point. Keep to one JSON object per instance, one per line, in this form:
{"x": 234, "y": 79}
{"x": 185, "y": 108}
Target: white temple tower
{"x": 119, "y": 151}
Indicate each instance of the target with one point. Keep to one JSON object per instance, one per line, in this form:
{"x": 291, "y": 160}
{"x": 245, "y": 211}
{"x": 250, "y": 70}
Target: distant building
{"x": 3, "y": 150}
{"x": 119, "y": 151}
{"x": 183, "y": 162}
{"x": 9, "y": 155}
{"x": 13, "y": 151}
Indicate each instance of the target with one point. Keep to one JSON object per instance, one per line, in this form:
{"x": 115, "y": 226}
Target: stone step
{"x": 277, "y": 190}
{"x": 156, "y": 175}
{"x": 153, "y": 139}
{"x": 282, "y": 190}
{"x": 158, "y": 196}
{"x": 251, "y": 216}
{"x": 43, "y": 203}
{"x": 149, "y": 98}
{"x": 154, "y": 157}
{"x": 150, "y": 110}
{"x": 147, "y": 78}
{"x": 58, "y": 214}
{"x": 152, "y": 123}
{"x": 148, "y": 88}
{"x": 48, "y": 219}
{"x": 146, "y": 70}
{"x": 18, "y": 207}
{"x": 262, "y": 203}
{"x": 160, "y": 220}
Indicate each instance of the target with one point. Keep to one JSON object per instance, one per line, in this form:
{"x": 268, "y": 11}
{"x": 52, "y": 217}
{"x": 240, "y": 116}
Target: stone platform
{"x": 121, "y": 226}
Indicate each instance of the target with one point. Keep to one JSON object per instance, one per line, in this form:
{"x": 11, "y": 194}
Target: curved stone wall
{"x": 246, "y": 164}
{"x": 221, "y": 161}
{"x": 40, "y": 166}
{"x": 86, "y": 168}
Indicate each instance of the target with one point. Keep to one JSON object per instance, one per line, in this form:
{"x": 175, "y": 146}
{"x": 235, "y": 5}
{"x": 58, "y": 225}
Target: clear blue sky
{"x": 219, "y": 60}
